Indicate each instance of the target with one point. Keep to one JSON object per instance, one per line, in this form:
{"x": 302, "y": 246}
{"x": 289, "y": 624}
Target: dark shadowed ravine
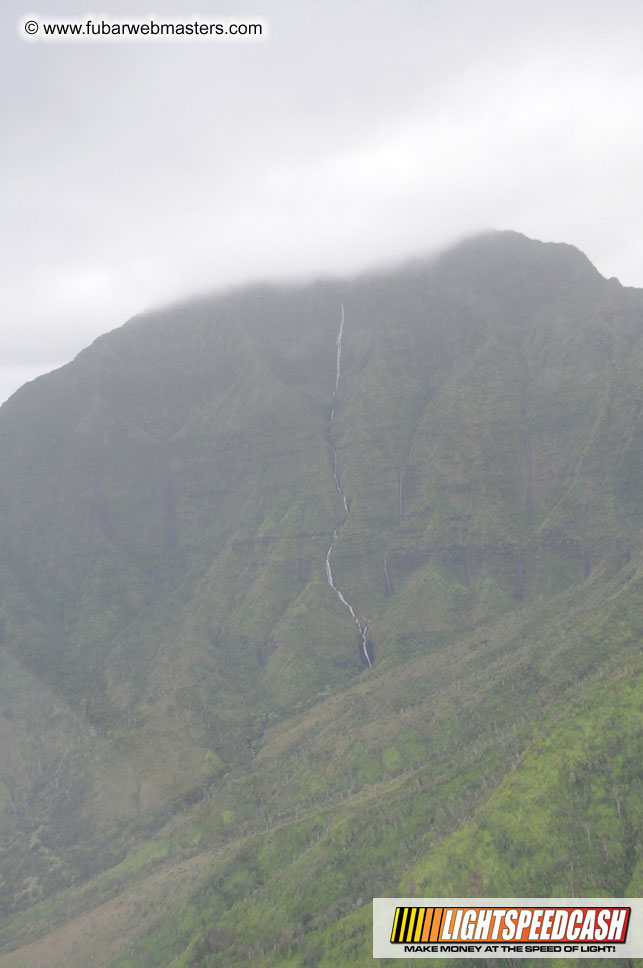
{"x": 362, "y": 627}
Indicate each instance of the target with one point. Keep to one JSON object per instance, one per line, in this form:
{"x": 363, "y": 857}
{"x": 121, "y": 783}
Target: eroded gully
{"x": 362, "y": 626}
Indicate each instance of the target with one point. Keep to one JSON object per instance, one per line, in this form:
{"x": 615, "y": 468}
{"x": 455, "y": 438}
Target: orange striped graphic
{"x": 416, "y": 925}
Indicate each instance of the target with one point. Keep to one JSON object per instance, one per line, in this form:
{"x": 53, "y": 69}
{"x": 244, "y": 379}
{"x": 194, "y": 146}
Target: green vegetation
{"x": 199, "y": 769}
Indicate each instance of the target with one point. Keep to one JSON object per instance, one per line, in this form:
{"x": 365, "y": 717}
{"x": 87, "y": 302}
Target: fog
{"x": 353, "y": 133}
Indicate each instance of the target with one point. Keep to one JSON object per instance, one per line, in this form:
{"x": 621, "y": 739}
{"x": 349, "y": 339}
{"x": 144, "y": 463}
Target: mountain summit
{"x": 316, "y": 593}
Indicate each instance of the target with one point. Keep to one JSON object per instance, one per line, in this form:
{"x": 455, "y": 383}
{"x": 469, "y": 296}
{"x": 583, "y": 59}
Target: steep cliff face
{"x": 225, "y": 514}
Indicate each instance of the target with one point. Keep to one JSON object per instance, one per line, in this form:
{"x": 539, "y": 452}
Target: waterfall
{"x": 389, "y": 588}
{"x": 362, "y": 628}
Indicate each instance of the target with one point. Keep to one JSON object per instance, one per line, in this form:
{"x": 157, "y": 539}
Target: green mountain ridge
{"x": 184, "y": 699}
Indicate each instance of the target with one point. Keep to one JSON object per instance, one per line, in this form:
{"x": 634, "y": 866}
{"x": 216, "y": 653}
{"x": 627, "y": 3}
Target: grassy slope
{"x": 551, "y": 782}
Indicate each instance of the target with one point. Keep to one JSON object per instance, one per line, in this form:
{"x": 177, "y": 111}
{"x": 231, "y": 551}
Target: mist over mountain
{"x": 315, "y": 593}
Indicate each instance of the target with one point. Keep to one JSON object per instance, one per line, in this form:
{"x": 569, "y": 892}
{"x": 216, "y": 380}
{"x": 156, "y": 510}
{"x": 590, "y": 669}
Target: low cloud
{"x": 356, "y": 135}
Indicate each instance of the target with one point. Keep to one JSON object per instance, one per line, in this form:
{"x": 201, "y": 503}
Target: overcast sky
{"x": 357, "y": 132}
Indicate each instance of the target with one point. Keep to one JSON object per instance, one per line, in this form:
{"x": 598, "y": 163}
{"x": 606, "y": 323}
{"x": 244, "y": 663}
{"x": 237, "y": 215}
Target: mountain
{"x": 315, "y": 593}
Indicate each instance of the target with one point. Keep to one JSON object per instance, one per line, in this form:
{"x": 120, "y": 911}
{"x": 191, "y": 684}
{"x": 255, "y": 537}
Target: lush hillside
{"x": 205, "y": 758}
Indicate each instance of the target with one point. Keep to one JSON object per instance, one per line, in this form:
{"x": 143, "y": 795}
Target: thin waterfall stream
{"x": 389, "y": 587}
{"x": 362, "y": 626}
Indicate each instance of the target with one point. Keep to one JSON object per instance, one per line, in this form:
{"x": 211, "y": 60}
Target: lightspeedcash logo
{"x": 501, "y": 927}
